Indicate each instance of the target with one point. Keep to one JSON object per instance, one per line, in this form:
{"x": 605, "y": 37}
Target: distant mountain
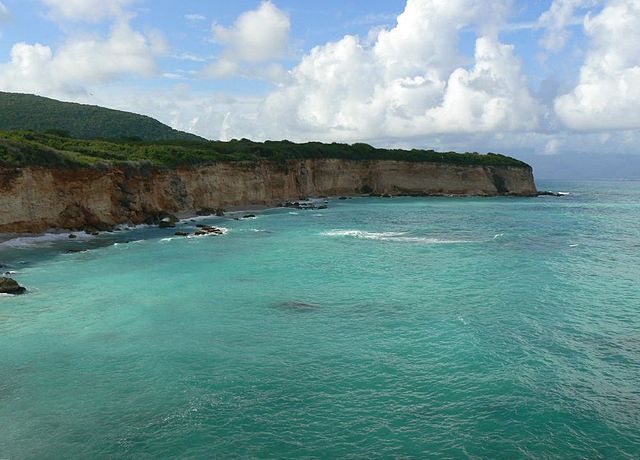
{"x": 30, "y": 112}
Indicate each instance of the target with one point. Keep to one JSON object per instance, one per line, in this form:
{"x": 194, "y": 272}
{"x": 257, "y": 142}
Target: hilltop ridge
{"x": 30, "y": 112}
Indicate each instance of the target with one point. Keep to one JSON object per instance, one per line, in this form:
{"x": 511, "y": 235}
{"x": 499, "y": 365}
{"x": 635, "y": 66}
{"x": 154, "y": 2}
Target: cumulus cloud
{"x": 258, "y": 36}
{"x": 78, "y": 63}
{"x": 608, "y": 92}
{"x": 557, "y": 19}
{"x": 86, "y": 10}
{"x": 410, "y": 82}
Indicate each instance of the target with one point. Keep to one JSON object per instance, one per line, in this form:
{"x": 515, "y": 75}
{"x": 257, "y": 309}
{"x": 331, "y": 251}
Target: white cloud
{"x": 78, "y": 63}
{"x": 86, "y": 10}
{"x": 256, "y": 37}
{"x": 409, "y": 83}
{"x": 4, "y": 13}
{"x": 222, "y": 68}
{"x": 195, "y": 17}
{"x": 608, "y": 93}
{"x": 189, "y": 57}
{"x": 558, "y": 18}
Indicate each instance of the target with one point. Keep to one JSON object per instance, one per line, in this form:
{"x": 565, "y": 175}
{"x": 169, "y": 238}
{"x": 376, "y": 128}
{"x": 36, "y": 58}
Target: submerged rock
{"x": 181, "y": 234}
{"x": 297, "y": 305}
{"x": 550, "y": 193}
{"x": 248, "y": 216}
{"x": 342, "y": 198}
{"x": 10, "y": 286}
{"x": 209, "y": 230}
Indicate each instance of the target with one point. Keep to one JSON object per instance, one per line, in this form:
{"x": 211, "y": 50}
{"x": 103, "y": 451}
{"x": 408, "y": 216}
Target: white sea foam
{"x": 43, "y": 240}
{"x": 294, "y": 213}
{"x": 498, "y": 235}
{"x": 391, "y": 236}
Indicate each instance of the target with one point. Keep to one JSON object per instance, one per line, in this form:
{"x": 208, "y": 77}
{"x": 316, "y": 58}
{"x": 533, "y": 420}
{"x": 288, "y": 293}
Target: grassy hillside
{"x": 22, "y": 148}
{"x": 26, "y": 111}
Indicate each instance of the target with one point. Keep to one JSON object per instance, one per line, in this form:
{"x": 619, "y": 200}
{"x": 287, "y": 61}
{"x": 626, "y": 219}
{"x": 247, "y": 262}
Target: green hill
{"x": 30, "y": 112}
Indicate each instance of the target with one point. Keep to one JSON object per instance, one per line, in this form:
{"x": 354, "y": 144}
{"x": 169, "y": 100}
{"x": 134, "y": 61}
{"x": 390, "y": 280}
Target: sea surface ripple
{"x": 402, "y": 328}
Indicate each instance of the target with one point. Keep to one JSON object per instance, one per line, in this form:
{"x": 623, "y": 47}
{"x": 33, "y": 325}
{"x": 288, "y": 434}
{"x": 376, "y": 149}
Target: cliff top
{"x": 27, "y": 148}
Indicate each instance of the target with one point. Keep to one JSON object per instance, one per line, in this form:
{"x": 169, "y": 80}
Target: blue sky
{"x": 538, "y": 77}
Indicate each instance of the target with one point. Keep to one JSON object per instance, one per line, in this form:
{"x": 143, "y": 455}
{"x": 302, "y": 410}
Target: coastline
{"x": 37, "y": 199}
{"x": 62, "y": 234}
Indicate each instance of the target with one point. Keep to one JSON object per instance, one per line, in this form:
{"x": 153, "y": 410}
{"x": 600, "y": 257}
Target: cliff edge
{"x": 37, "y": 198}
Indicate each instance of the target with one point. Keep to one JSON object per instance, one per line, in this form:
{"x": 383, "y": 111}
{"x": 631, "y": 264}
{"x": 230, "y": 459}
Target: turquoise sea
{"x": 377, "y": 328}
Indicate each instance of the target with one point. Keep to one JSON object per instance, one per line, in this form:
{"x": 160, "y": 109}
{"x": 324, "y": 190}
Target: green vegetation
{"x": 57, "y": 149}
{"x": 26, "y": 111}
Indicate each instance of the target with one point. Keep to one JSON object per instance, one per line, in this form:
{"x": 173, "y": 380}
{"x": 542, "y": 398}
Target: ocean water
{"x": 395, "y": 328}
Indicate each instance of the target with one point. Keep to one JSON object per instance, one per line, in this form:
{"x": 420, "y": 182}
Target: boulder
{"x": 166, "y": 223}
{"x": 342, "y": 198}
{"x": 248, "y": 216}
{"x": 165, "y": 216}
{"x": 72, "y": 236}
{"x": 10, "y": 286}
{"x": 205, "y": 212}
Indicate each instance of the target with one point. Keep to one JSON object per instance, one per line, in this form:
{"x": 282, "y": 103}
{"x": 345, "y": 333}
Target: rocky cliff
{"x": 35, "y": 199}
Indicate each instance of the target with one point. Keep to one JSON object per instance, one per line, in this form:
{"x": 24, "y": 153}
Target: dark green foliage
{"x": 20, "y": 148}
{"x": 26, "y": 111}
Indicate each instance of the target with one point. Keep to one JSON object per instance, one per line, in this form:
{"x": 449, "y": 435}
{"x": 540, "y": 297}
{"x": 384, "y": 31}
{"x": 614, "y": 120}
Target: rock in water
{"x": 10, "y": 286}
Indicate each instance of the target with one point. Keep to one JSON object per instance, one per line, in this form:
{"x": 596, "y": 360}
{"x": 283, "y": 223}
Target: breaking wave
{"x": 392, "y": 236}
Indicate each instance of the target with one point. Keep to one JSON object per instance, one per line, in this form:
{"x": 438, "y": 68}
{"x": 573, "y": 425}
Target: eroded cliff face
{"x": 37, "y": 199}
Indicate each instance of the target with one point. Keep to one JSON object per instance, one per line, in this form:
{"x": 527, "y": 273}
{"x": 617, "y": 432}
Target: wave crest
{"x": 391, "y": 236}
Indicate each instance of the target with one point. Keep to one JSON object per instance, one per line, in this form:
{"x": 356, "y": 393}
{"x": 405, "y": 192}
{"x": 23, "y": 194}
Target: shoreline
{"x": 192, "y": 214}
{"x": 39, "y": 199}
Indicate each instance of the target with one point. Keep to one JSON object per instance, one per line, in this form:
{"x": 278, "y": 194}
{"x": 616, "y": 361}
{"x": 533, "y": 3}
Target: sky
{"x": 534, "y": 79}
